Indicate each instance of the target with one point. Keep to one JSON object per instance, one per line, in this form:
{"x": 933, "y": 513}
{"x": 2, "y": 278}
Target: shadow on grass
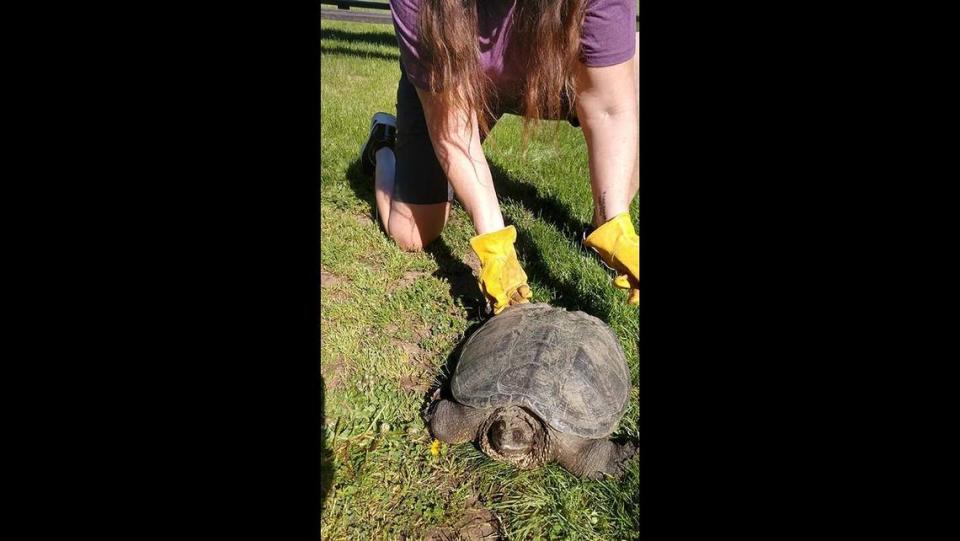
{"x": 360, "y": 53}
{"x": 374, "y": 38}
{"x": 545, "y": 207}
{"x": 463, "y": 285}
{"x": 361, "y": 184}
{"x": 442, "y": 388}
{"x": 568, "y": 296}
{"x": 554, "y": 212}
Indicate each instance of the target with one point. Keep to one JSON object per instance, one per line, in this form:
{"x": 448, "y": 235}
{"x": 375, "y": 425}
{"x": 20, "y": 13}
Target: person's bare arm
{"x": 456, "y": 140}
{"x": 457, "y": 145}
{"x": 608, "y": 112}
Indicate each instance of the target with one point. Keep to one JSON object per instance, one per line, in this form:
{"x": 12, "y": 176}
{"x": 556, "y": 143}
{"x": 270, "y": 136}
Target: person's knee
{"x": 414, "y": 240}
{"x": 412, "y": 244}
{"x": 411, "y": 248}
{"x": 412, "y": 228}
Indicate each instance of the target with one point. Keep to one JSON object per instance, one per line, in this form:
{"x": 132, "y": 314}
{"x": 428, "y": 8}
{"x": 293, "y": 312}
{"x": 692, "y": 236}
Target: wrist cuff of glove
{"x": 615, "y": 227}
{"x": 612, "y": 239}
{"x": 494, "y": 243}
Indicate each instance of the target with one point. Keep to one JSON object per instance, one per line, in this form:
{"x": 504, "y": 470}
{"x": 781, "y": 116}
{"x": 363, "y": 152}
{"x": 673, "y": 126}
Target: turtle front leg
{"x": 453, "y": 423}
{"x": 592, "y": 459}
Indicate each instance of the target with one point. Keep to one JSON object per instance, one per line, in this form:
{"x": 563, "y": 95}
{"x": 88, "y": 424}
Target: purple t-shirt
{"x": 608, "y": 37}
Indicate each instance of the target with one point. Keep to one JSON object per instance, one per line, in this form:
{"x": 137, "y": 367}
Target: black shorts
{"x": 419, "y": 177}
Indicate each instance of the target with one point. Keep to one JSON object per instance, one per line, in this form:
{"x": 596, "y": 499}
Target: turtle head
{"x": 512, "y": 436}
{"x": 515, "y": 435}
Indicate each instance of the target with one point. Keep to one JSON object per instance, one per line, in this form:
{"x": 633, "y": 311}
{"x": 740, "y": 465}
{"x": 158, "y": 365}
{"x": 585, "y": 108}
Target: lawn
{"x": 392, "y": 320}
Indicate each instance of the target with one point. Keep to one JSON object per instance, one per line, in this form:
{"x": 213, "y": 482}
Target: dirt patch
{"x": 333, "y": 296}
{"x": 475, "y": 525}
{"x": 408, "y": 278}
{"x": 479, "y": 524}
{"x": 471, "y": 260}
{"x": 363, "y": 219}
{"x": 456, "y": 311}
{"x": 412, "y": 352}
{"x": 417, "y": 384}
{"x": 329, "y": 279}
{"x": 334, "y": 373}
{"x": 421, "y": 332}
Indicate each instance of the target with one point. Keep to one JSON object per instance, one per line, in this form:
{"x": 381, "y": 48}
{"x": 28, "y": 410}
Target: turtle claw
{"x": 626, "y": 452}
{"x": 616, "y": 464}
{"x": 431, "y": 406}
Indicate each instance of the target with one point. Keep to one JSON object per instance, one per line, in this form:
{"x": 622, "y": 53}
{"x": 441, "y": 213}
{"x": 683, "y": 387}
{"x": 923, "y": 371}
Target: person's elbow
{"x": 606, "y": 110}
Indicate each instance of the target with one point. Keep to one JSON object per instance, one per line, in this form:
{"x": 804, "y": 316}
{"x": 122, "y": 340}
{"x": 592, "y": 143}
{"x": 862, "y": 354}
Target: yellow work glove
{"x": 619, "y": 248}
{"x": 501, "y": 280}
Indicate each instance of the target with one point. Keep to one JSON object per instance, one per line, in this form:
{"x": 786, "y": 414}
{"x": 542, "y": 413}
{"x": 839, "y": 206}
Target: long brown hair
{"x": 546, "y": 33}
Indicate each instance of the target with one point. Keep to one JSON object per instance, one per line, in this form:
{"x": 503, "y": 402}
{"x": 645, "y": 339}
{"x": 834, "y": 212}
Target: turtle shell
{"x": 567, "y": 367}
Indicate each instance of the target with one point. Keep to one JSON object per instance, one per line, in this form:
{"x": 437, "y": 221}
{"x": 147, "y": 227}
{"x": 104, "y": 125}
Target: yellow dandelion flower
{"x": 435, "y": 448}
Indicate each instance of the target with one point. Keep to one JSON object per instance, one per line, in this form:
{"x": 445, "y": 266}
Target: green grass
{"x": 390, "y": 320}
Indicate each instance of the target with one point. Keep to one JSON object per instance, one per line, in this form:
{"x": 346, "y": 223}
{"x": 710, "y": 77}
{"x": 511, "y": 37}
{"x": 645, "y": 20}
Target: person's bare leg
{"x": 384, "y": 178}
{"x": 411, "y": 226}
{"x": 457, "y": 141}
{"x": 414, "y": 226}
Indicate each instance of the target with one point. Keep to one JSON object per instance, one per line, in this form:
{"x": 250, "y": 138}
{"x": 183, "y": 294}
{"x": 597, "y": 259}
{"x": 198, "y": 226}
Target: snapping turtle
{"x": 537, "y": 384}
